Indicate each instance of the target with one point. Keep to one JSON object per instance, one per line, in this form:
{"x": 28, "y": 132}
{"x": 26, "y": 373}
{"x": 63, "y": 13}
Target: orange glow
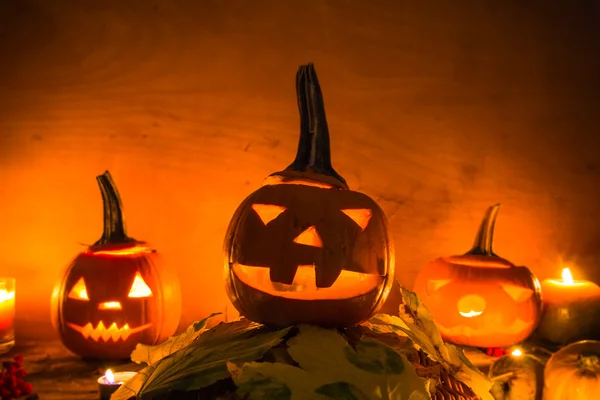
{"x": 470, "y": 314}
{"x": 267, "y": 212}
{"x": 110, "y": 305}
{"x": 517, "y": 353}
{"x": 79, "y": 291}
{"x": 514, "y": 330}
{"x": 100, "y": 332}
{"x": 123, "y": 252}
{"x": 360, "y": 216}
{"x": 309, "y": 237}
{"x": 471, "y": 305}
{"x": 349, "y": 284}
{"x": 277, "y": 180}
{"x": 139, "y": 288}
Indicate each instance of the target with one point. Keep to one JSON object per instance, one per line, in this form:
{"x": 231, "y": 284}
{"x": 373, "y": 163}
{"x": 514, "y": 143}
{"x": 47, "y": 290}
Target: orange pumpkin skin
{"x": 479, "y": 299}
{"x": 303, "y": 248}
{"x": 573, "y": 372}
{"x": 115, "y": 294}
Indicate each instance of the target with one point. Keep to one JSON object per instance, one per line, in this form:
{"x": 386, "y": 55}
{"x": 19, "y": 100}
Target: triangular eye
{"x": 517, "y": 293}
{"x": 361, "y": 216}
{"x": 434, "y": 285}
{"x": 79, "y": 291}
{"x": 309, "y": 237}
{"x": 139, "y": 288}
{"x": 267, "y": 212}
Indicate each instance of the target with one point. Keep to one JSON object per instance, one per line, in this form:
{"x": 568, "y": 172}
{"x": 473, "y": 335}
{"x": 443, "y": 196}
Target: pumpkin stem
{"x": 485, "y": 235}
{"x": 314, "y": 154}
{"x": 589, "y": 364}
{"x": 114, "y": 224}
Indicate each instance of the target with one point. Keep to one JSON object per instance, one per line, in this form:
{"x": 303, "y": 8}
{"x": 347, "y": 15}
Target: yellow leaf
{"x": 151, "y": 354}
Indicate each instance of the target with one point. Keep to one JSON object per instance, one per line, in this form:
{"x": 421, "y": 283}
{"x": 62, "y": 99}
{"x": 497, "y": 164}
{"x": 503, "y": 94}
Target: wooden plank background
{"x": 437, "y": 109}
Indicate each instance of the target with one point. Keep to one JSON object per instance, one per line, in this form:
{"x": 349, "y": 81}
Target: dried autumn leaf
{"x": 329, "y": 368}
{"x": 204, "y": 361}
{"x": 151, "y": 354}
{"x": 416, "y": 322}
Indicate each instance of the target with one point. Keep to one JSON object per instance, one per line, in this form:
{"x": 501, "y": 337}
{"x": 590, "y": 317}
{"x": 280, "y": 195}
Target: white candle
{"x": 111, "y": 381}
{"x": 570, "y": 309}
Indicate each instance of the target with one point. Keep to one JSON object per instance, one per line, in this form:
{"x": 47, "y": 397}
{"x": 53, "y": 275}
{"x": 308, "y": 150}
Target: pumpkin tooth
{"x": 113, "y": 332}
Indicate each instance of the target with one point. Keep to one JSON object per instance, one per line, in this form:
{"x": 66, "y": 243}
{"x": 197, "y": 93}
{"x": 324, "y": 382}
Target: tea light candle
{"x": 7, "y": 314}
{"x": 571, "y": 308}
{"x": 111, "y": 381}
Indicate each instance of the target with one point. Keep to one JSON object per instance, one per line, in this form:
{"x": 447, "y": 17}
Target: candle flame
{"x": 567, "y": 276}
{"x": 517, "y": 353}
{"x": 109, "y": 376}
{"x": 5, "y": 295}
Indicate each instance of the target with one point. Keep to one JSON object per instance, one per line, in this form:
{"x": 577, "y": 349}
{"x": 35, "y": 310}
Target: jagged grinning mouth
{"x": 100, "y": 332}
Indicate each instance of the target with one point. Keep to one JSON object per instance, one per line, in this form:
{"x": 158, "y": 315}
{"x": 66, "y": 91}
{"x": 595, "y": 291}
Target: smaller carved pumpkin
{"x": 573, "y": 372}
{"x": 304, "y": 248}
{"x": 480, "y": 299}
{"x": 115, "y": 293}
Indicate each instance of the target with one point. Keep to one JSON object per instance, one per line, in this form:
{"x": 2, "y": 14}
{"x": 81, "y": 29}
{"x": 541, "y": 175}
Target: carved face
{"x": 111, "y": 300}
{"x": 294, "y": 245}
{"x": 476, "y": 302}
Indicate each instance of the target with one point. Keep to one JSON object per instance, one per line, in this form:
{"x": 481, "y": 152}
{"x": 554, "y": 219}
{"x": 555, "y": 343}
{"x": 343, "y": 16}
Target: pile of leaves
{"x": 246, "y": 360}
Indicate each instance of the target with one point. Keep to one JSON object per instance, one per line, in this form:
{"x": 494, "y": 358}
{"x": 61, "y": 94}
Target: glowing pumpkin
{"x": 115, "y": 294}
{"x": 480, "y": 299}
{"x": 573, "y": 372}
{"x": 304, "y": 248}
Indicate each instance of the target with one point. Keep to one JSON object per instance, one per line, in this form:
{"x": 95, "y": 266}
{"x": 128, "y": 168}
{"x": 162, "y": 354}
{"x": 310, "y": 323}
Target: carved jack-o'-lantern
{"x": 304, "y": 248}
{"x": 115, "y": 294}
{"x": 480, "y": 299}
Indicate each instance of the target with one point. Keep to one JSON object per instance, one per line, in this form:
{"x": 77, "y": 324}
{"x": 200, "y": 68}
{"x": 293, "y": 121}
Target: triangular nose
{"x": 309, "y": 237}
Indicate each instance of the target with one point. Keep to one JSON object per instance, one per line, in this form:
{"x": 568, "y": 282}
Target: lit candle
{"x": 111, "y": 381}
{"x": 516, "y": 353}
{"x": 7, "y": 314}
{"x": 571, "y": 309}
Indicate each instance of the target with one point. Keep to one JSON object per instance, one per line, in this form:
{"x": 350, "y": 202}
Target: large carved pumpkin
{"x": 480, "y": 299}
{"x": 115, "y": 294}
{"x": 304, "y": 248}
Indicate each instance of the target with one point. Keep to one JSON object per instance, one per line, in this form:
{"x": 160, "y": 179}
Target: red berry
{"x": 21, "y": 373}
{"x": 27, "y": 388}
{"x": 19, "y": 359}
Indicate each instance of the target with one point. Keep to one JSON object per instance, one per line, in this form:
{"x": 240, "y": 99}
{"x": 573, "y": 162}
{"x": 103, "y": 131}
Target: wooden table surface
{"x": 56, "y": 374}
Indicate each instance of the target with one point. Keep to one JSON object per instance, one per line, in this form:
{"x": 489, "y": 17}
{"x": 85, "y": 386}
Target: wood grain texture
{"x": 57, "y": 374}
{"x": 435, "y": 110}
